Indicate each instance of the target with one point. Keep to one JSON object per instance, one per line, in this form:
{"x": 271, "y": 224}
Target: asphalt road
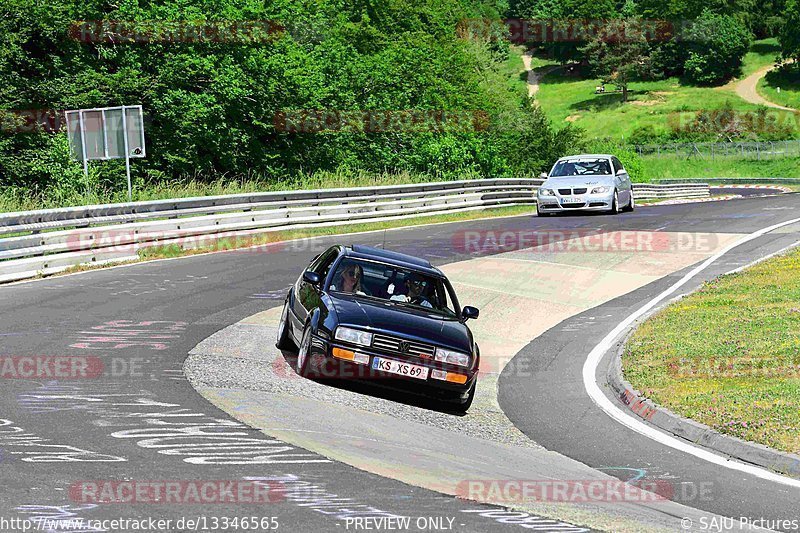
{"x": 550, "y": 405}
{"x": 140, "y": 420}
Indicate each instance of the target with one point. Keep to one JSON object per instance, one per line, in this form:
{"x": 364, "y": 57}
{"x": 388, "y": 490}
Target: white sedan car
{"x": 586, "y": 183}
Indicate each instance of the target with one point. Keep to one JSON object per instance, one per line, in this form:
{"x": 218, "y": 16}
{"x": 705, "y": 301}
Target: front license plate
{"x": 400, "y": 368}
{"x": 571, "y": 200}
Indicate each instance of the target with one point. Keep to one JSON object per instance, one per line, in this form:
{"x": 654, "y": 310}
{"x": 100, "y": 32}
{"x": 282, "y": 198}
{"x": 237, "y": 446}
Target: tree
{"x": 569, "y": 24}
{"x": 621, "y": 60}
{"x": 717, "y": 45}
{"x": 790, "y": 32}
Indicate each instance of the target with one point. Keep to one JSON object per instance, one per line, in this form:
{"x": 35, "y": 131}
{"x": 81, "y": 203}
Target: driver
{"x": 416, "y": 285}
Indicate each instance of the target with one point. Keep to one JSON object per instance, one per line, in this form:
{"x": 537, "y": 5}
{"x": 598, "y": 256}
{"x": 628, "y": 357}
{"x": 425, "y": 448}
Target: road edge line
{"x": 597, "y": 354}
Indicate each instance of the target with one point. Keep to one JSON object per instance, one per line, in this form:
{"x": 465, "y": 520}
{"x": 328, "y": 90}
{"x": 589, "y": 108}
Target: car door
{"x": 308, "y": 296}
{"x": 623, "y": 182}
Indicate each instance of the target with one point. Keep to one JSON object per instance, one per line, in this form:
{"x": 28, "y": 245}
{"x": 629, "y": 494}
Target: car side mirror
{"x": 543, "y": 175}
{"x": 312, "y": 277}
{"x": 469, "y": 312}
{"x": 620, "y": 172}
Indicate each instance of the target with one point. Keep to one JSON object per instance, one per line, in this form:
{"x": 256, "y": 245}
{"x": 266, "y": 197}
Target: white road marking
{"x": 600, "y": 399}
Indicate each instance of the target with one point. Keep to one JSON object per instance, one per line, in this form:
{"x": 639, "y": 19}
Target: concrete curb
{"x": 685, "y": 428}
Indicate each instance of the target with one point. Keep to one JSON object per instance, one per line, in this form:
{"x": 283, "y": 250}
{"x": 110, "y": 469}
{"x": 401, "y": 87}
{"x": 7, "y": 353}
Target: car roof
{"x": 359, "y": 251}
{"x": 585, "y": 156}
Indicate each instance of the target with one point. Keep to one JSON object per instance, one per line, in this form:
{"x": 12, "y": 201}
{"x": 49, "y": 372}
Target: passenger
{"x": 348, "y": 279}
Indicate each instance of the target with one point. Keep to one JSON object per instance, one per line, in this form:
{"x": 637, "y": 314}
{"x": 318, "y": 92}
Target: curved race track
{"x": 141, "y": 420}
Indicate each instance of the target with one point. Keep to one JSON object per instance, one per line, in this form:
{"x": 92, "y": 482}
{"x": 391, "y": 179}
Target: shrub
{"x": 719, "y": 42}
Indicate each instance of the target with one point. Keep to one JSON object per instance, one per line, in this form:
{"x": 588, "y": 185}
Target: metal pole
{"x": 83, "y": 146}
{"x": 127, "y": 153}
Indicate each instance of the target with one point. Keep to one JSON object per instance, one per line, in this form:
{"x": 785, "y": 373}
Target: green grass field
{"x": 728, "y": 355}
{"x": 571, "y": 98}
{"x": 788, "y": 80}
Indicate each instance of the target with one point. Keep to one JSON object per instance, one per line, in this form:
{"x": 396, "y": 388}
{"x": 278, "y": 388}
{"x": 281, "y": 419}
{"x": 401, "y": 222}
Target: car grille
{"x": 393, "y": 344}
{"x": 568, "y": 192}
{"x": 573, "y": 206}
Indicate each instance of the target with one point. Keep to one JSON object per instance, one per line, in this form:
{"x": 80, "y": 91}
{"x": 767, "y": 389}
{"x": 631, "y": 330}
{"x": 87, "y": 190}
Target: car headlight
{"x": 600, "y": 190}
{"x": 454, "y": 358}
{"x": 546, "y": 192}
{"x": 353, "y": 336}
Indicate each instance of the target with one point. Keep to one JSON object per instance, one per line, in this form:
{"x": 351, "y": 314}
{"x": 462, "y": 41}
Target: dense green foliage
{"x": 212, "y": 106}
{"x": 700, "y": 39}
{"x": 790, "y": 32}
{"x": 719, "y": 43}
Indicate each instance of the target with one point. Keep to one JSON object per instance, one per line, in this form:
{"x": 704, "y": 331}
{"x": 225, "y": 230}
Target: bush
{"x": 212, "y": 106}
{"x": 719, "y": 42}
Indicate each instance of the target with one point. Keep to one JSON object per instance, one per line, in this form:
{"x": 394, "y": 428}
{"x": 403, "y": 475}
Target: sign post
{"x": 107, "y": 133}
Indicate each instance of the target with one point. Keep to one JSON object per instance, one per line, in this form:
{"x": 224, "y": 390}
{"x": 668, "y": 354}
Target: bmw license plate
{"x": 399, "y": 368}
{"x": 571, "y": 200}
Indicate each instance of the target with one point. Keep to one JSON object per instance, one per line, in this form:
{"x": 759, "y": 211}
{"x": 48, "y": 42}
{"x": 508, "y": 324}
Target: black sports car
{"x": 369, "y": 313}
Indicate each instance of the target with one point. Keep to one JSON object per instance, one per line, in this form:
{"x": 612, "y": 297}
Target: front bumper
{"x": 586, "y": 202}
{"x": 327, "y": 365}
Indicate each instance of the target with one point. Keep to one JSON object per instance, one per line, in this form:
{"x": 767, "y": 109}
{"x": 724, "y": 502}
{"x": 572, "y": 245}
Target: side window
{"x": 617, "y": 164}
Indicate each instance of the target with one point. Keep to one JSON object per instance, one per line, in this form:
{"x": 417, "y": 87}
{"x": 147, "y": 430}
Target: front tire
{"x": 631, "y": 203}
{"x": 284, "y": 340}
{"x": 615, "y": 204}
{"x": 303, "y": 366}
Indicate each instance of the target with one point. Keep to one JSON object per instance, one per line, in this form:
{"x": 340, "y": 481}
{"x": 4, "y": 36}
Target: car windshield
{"x": 581, "y": 167}
{"x": 404, "y": 287}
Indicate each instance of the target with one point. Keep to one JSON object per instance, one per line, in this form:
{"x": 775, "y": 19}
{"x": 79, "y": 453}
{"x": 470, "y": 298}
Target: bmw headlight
{"x": 546, "y": 192}
{"x": 600, "y": 190}
{"x": 454, "y": 358}
{"x": 353, "y": 336}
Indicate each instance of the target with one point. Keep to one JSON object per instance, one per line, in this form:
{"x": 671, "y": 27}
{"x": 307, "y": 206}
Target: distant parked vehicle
{"x": 589, "y": 182}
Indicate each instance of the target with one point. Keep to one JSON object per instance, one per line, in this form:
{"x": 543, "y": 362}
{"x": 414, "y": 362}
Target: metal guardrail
{"x": 51, "y": 240}
{"x": 677, "y": 190}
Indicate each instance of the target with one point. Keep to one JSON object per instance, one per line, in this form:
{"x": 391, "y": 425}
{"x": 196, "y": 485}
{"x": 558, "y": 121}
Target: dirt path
{"x": 533, "y": 76}
{"x": 747, "y": 89}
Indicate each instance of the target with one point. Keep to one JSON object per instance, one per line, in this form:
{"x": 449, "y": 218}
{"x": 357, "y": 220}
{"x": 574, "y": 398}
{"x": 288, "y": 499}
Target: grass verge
{"x": 728, "y": 355}
{"x": 678, "y": 168}
{"x": 782, "y": 86}
{"x": 20, "y": 199}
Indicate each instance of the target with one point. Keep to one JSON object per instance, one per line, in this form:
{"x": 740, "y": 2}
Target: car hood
{"x": 578, "y": 181}
{"x": 391, "y": 319}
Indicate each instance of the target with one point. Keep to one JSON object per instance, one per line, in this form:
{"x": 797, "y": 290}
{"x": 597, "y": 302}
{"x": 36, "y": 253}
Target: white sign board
{"x": 106, "y": 133}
